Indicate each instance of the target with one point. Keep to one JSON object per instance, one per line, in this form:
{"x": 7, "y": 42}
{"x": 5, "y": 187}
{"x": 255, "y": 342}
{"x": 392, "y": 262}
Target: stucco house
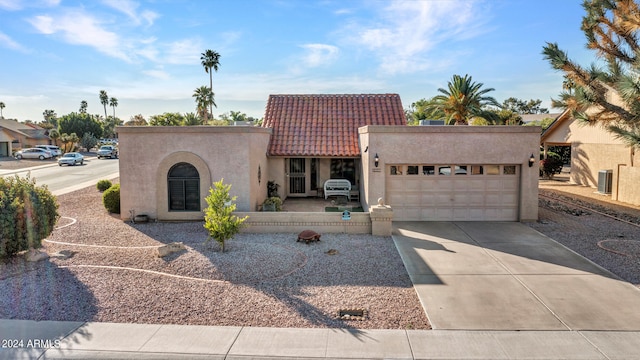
{"x": 594, "y": 149}
{"x": 422, "y": 173}
{"x": 15, "y": 135}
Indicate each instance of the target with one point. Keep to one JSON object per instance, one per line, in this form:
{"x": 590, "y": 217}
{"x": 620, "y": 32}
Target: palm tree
{"x": 113, "y": 102}
{"x": 191, "y": 119}
{"x": 210, "y": 60}
{"x": 54, "y": 135}
{"x": 2, "y": 106}
{"x": 104, "y": 100}
{"x": 463, "y": 101}
{"x": 83, "y": 107}
{"x": 204, "y": 99}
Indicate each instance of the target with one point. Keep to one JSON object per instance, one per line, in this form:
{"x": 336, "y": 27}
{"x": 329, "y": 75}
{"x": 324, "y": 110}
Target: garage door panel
{"x": 492, "y": 196}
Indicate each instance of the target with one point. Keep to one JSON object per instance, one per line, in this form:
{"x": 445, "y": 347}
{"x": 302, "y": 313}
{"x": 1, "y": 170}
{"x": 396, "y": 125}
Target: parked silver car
{"x": 54, "y": 150}
{"x": 33, "y": 153}
{"x": 72, "y": 158}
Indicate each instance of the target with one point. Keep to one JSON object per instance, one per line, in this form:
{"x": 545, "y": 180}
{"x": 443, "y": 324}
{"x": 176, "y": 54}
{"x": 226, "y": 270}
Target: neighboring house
{"x": 15, "y": 135}
{"x": 594, "y": 149}
{"x": 422, "y": 172}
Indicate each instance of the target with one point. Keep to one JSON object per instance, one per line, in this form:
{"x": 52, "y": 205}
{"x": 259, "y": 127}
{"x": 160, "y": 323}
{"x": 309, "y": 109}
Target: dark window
{"x": 184, "y": 188}
{"x": 344, "y": 169}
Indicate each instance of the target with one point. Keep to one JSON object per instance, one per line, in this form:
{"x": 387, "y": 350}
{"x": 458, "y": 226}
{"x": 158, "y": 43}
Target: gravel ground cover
{"x": 265, "y": 280}
{"x": 10, "y": 163}
{"x": 609, "y": 243}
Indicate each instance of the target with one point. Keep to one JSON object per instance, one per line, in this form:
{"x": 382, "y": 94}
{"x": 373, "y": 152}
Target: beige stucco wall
{"x": 627, "y": 185}
{"x": 588, "y": 159}
{"x": 481, "y": 145}
{"x": 233, "y": 153}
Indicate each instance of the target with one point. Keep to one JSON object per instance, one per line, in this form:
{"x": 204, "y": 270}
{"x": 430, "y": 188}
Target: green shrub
{"x": 103, "y": 185}
{"x": 111, "y": 199}
{"x": 551, "y": 165}
{"x": 273, "y": 203}
{"x": 28, "y": 214}
{"x": 218, "y": 216}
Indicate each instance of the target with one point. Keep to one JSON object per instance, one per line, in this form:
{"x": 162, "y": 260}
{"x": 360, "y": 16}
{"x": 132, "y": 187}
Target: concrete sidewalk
{"x": 76, "y": 340}
{"x": 507, "y": 276}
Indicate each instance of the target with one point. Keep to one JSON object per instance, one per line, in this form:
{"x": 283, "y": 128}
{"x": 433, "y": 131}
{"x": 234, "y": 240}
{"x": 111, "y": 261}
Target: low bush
{"x": 103, "y": 185}
{"x": 28, "y": 214}
{"x": 273, "y": 203}
{"x": 111, "y": 199}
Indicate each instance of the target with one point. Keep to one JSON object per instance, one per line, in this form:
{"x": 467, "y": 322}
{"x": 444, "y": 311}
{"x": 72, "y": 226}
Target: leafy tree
{"x": 612, "y": 92}
{"x": 219, "y": 219}
{"x": 50, "y": 117}
{"x": 502, "y": 117}
{"x": 88, "y": 141}
{"x": 204, "y": 99}
{"x": 109, "y": 126}
{"x": 2, "y": 106}
{"x": 519, "y": 106}
{"x": 83, "y": 107}
{"x": 210, "y": 61}
{"x": 166, "y": 119}
{"x": 462, "y": 101}
{"x": 422, "y": 110}
{"x": 544, "y": 123}
{"x": 104, "y": 100}
{"x": 28, "y": 214}
{"x": 136, "y": 120}
{"x": 79, "y": 123}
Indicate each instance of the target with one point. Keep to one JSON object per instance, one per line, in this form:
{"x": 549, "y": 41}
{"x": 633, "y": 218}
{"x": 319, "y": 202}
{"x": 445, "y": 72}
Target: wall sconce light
{"x": 376, "y": 160}
{"x": 532, "y": 160}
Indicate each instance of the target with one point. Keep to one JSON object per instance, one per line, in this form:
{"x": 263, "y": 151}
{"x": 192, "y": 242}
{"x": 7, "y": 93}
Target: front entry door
{"x": 297, "y": 177}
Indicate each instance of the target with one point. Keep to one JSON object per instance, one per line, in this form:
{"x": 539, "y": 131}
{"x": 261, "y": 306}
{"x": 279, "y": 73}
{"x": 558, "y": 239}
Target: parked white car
{"x": 54, "y": 150}
{"x": 33, "y": 153}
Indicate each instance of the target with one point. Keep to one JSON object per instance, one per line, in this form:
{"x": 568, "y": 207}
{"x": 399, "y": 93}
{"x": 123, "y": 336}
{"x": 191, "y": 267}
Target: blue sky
{"x": 56, "y": 53}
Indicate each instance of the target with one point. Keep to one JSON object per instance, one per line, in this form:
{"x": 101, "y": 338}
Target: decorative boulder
{"x": 165, "y": 250}
{"x": 308, "y": 236}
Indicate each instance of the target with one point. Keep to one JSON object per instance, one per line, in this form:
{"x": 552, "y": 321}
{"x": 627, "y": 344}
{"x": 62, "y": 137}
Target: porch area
{"x": 311, "y": 204}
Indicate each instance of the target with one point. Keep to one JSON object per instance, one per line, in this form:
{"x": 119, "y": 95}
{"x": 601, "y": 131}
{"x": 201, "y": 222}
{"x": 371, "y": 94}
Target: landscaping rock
{"x": 63, "y": 254}
{"x": 34, "y": 255}
{"x": 165, "y": 250}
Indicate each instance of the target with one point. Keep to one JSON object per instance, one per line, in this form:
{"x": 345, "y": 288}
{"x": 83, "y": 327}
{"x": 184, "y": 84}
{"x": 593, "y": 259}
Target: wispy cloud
{"x": 402, "y": 33}
{"x": 157, "y": 73}
{"x": 186, "y": 51}
{"x": 319, "y": 54}
{"x": 78, "y": 27}
{"x": 11, "y": 4}
{"x": 7, "y": 41}
{"x": 130, "y": 8}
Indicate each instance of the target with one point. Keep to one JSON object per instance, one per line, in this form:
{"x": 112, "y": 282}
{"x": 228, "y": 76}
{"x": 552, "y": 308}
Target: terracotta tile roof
{"x": 326, "y": 125}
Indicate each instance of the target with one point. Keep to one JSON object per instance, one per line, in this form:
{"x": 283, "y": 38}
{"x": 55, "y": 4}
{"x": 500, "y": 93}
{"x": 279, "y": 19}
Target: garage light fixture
{"x": 532, "y": 160}
{"x": 376, "y": 160}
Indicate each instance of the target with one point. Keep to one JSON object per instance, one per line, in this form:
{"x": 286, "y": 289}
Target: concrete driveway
{"x": 507, "y": 276}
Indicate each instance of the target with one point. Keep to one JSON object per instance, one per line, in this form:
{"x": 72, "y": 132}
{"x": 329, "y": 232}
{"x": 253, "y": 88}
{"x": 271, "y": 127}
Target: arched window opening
{"x": 184, "y": 188}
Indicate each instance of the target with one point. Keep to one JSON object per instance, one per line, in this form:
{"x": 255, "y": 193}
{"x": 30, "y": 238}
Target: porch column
{"x": 381, "y": 217}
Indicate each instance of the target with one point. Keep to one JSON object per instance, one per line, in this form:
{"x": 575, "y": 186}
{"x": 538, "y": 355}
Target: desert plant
{"x": 103, "y": 185}
{"x": 219, "y": 219}
{"x": 272, "y": 188}
{"x": 272, "y": 204}
{"x": 111, "y": 199}
{"x": 28, "y": 214}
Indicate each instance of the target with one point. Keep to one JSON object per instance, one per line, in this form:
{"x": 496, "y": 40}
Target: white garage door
{"x": 431, "y": 192}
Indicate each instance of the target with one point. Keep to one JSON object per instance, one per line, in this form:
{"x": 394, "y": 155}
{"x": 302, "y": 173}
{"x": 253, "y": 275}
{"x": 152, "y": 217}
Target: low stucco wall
{"x": 628, "y": 190}
{"x": 237, "y": 154}
{"x": 469, "y": 145}
{"x": 285, "y": 222}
